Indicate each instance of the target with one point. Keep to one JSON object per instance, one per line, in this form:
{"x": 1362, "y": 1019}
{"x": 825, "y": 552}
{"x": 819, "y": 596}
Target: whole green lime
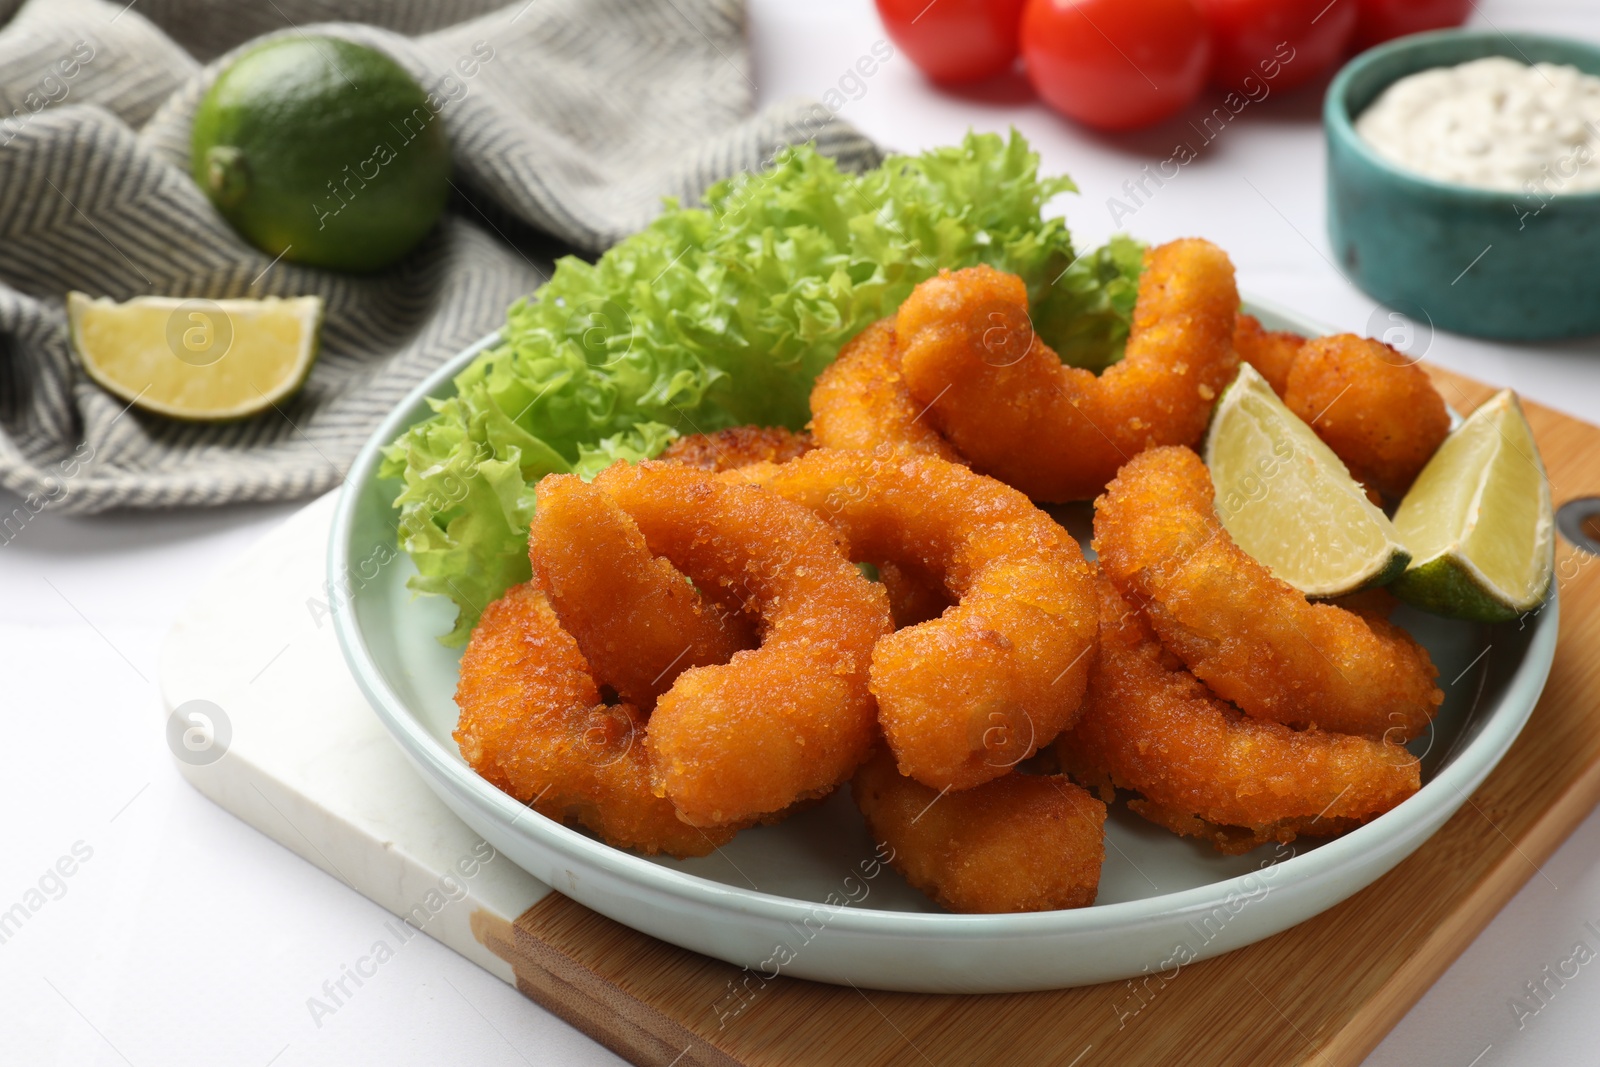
{"x": 324, "y": 152}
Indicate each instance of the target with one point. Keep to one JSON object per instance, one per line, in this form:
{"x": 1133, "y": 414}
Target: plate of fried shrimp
{"x": 967, "y": 687}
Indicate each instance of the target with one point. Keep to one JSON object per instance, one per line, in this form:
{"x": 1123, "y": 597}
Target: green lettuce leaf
{"x": 1085, "y": 315}
{"x": 722, "y": 315}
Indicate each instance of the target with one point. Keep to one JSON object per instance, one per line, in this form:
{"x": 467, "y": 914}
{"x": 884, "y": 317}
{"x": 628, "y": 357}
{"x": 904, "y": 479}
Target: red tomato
{"x": 1382, "y": 20}
{"x": 1115, "y": 64}
{"x": 1279, "y": 43}
{"x": 954, "y": 41}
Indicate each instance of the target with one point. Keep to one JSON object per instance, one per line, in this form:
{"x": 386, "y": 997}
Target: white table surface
{"x": 189, "y": 938}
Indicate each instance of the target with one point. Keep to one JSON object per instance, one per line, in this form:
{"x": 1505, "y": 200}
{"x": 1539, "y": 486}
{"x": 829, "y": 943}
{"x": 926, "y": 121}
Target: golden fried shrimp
{"x": 1019, "y": 843}
{"x": 1374, "y": 603}
{"x": 788, "y": 720}
{"x": 1253, "y": 639}
{"x": 1008, "y": 404}
{"x": 533, "y": 724}
{"x": 1237, "y": 840}
{"x": 1378, "y": 411}
{"x": 860, "y": 401}
{"x": 1271, "y": 352}
{"x": 964, "y": 697}
{"x": 738, "y": 446}
{"x": 1203, "y": 769}
{"x": 637, "y": 620}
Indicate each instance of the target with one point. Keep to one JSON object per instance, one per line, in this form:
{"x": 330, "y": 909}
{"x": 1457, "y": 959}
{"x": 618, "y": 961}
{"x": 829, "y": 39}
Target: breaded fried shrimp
{"x": 533, "y": 723}
{"x": 1376, "y": 409}
{"x": 1018, "y": 843}
{"x": 1008, "y": 404}
{"x": 788, "y": 720}
{"x": 1253, "y": 639}
{"x": 1272, "y": 352}
{"x": 964, "y": 697}
{"x": 860, "y": 401}
{"x": 1202, "y": 768}
{"x": 737, "y": 446}
{"x": 637, "y": 620}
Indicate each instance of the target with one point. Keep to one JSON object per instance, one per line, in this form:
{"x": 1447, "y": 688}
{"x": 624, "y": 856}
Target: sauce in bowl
{"x": 1492, "y": 123}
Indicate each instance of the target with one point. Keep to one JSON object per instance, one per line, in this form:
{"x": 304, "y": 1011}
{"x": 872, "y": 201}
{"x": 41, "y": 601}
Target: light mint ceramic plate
{"x": 806, "y": 899}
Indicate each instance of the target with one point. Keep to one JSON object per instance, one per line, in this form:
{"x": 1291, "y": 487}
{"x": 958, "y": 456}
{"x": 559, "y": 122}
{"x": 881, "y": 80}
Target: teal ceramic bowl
{"x": 1479, "y": 262}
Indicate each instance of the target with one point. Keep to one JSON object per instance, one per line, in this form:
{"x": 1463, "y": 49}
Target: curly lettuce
{"x": 720, "y": 315}
{"x": 1085, "y": 315}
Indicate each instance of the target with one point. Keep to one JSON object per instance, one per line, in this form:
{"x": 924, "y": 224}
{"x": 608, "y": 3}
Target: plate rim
{"x": 1436, "y": 802}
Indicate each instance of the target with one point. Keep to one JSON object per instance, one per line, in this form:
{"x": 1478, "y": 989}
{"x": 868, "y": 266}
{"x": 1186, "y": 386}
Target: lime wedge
{"x": 202, "y": 360}
{"x": 1478, "y": 520}
{"x": 1288, "y": 501}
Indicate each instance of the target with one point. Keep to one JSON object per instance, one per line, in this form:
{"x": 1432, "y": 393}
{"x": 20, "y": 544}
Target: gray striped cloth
{"x": 586, "y": 113}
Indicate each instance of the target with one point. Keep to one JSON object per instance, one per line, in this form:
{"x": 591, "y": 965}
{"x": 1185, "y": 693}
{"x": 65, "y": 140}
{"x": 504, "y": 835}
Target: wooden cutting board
{"x": 1326, "y": 991}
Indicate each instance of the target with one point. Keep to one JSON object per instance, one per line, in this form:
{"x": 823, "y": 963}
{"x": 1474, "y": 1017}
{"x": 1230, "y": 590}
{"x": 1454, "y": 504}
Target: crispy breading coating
{"x": 1204, "y": 769}
{"x": 1376, "y": 409}
{"x": 1255, "y": 640}
{"x": 1272, "y": 352}
{"x": 637, "y": 620}
{"x": 786, "y": 721}
{"x": 1019, "y": 843}
{"x": 738, "y": 446}
{"x": 1008, "y": 404}
{"x": 533, "y": 723}
{"x": 964, "y": 697}
{"x": 860, "y": 401}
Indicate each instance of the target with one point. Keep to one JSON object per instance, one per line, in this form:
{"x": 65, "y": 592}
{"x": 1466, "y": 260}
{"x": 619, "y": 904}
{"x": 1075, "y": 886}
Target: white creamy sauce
{"x": 1494, "y": 124}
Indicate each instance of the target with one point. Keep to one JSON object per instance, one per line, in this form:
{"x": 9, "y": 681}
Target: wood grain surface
{"x": 1324, "y": 992}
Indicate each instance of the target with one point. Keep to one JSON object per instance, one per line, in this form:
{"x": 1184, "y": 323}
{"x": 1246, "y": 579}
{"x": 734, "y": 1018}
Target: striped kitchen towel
{"x": 576, "y": 118}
